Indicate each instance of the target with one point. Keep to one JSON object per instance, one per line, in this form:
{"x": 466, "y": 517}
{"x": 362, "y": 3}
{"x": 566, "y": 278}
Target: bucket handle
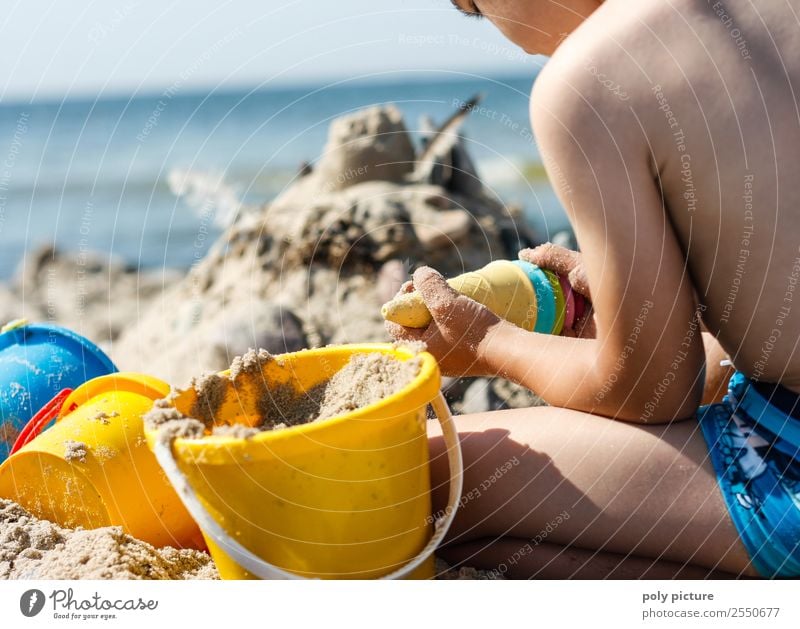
{"x": 265, "y": 570}
{"x": 37, "y": 423}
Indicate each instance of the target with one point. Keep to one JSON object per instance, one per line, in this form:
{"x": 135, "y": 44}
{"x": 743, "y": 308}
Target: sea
{"x": 133, "y": 178}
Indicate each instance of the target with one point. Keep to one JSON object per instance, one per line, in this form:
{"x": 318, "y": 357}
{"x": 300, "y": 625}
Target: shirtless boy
{"x": 671, "y": 133}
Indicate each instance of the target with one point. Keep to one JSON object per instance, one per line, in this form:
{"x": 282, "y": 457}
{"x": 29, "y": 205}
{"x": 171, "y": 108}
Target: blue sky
{"x": 63, "y": 48}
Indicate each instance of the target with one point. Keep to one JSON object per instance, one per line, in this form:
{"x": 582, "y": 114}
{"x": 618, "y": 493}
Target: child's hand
{"x": 458, "y": 328}
{"x": 570, "y": 265}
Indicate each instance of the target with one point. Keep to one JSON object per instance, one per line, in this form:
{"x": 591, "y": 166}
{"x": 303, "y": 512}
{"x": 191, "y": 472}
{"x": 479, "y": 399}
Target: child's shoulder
{"x": 615, "y": 62}
{"x": 603, "y": 60}
{"x": 595, "y": 74}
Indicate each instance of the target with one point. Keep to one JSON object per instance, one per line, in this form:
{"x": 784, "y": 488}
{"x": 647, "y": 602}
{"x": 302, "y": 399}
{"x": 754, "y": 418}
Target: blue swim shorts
{"x": 753, "y": 437}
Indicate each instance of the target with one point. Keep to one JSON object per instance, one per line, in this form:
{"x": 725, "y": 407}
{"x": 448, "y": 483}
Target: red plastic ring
{"x": 36, "y": 424}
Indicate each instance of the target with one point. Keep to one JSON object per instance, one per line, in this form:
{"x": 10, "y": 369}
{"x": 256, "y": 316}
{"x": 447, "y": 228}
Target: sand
{"x": 37, "y": 549}
{"x": 31, "y": 548}
{"x": 249, "y": 364}
{"x": 105, "y": 418}
{"x": 308, "y": 268}
{"x": 445, "y": 572}
{"x": 74, "y": 451}
{"x": 364, "y": 380}
{"x": 305, "y": 270}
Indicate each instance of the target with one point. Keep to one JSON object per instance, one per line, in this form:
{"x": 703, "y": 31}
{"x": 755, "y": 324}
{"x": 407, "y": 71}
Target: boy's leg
{"x": 520, "y": 559}
{"x": 589, "y": 482}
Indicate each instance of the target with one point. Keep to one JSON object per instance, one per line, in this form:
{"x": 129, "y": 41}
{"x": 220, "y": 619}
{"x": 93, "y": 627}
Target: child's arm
{"x": 646, "y": 363}
{"x": 569, "y": 264}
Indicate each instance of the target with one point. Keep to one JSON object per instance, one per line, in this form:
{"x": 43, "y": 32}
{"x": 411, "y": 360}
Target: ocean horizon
{"x": 132, "y": 177}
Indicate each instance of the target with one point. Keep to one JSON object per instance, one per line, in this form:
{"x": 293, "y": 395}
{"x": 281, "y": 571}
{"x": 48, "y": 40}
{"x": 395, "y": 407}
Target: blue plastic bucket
{"x": 36, "y": 362}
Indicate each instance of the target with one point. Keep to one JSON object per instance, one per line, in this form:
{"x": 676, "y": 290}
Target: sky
{"x": 55, "y": 49}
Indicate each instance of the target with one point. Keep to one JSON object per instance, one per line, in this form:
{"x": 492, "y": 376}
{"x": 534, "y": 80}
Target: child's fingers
{"x": 559, "y": 260}
{"x": 569, "y": 332}
{"x": 400, "y": 333}
{"x": 577, "y": 279}
{"x": 435, "y": 291}
{"x": 585, "y": 328}
{"x": 551, "y": 257}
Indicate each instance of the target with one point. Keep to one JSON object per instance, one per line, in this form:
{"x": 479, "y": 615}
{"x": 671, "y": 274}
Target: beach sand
{"x": 310, "y": 268}
{"x": 31, "y": 548}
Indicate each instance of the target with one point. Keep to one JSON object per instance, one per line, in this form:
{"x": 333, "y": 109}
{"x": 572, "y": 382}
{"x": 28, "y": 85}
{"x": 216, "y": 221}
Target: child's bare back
{"x": 707, "y": 94}
{"x": 670, "y": 131}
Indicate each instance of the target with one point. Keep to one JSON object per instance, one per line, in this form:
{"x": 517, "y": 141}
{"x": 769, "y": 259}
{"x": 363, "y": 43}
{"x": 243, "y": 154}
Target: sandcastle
{"x": 310, "y": 268}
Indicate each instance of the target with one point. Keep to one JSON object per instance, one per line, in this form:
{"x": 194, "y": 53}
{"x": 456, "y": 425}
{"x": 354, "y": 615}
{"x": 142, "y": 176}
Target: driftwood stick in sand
{"x": 442, "y": 142}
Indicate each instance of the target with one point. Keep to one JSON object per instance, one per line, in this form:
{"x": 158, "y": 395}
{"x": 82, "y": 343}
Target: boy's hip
{"x": 754, "y": 445}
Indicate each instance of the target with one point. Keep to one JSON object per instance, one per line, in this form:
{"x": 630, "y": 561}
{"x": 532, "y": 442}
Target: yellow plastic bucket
{"x": 345, "y": 497}
{"x": 93, "y": 468}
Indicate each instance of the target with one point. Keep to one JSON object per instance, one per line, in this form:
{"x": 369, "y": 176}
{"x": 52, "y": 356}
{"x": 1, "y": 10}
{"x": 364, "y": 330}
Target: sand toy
{"x": 93, "y": 468}
{"x": 534, "y": 299}
{"x": 37, "y": 361}
{"x": 343, "y": 497}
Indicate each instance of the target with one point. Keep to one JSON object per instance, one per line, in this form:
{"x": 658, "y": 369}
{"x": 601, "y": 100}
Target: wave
{"x": 144, "y": 184}
{"x": 208, "y": 193}
{"x": 511, "y": 171}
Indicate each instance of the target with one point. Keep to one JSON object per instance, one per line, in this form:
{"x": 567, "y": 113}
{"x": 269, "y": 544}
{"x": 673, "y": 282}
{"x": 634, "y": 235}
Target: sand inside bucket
{"x": 364, "y": 380}
{"x": 31, "y": 548}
